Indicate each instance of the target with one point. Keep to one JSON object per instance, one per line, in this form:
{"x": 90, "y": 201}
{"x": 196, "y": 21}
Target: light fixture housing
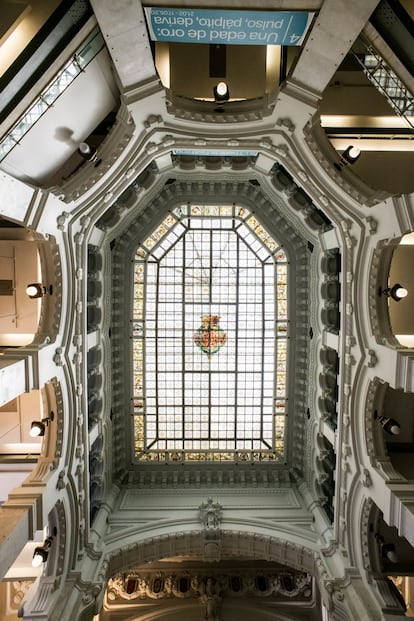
{"x": 351, "y": 154}
{"x": 390, "y": 425}
{"x": 41, "y": 553}
{"x": 38, "y": 290}
{"x": 388, "y": 552}
{"x": 38, "y": 427}
{"x": 87, "y": 152}
{"x": 221, "y": 92}
{"x": 397, "y": 292}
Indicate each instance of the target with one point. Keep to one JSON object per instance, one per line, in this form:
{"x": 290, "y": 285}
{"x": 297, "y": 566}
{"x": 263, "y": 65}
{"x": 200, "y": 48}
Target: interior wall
{"x": 16, "y": 417}
{"x": 390, "y": 171}
{"x": 245, "y": 70}
{"x": 18, "y": 313}
{"x": 33, "y": 16}
{"x": 402, "y": 312}
{"x": 60, "y": 130}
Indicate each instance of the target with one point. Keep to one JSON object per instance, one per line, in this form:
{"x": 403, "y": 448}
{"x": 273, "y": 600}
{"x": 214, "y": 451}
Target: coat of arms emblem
{"x": 209, "y": 337}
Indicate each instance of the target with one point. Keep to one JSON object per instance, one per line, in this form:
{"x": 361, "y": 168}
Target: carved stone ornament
{"x": 210, "y": 599}
{"x": 58, "y": 358}
{"x": 210, "y": 586}
{"x": 210, "y": 515}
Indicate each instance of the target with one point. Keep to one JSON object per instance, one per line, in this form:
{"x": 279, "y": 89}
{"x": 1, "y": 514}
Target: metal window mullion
{"x": 183, "y": 373}
{"x": 157, "y": 289}
{"x": 210, "y": 287}
{"x": 276, "y": 352}
{"x": 236, "y": 341}
{"x": 263, "y": 351}
{"x": 143, "y": 341}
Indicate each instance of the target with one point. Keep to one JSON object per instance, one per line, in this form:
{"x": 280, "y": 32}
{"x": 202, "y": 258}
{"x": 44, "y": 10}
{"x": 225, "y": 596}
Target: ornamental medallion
{"x": 209, "y": 337}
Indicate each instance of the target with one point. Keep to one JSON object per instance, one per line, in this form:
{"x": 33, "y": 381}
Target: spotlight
{"x": 89, "y": 153}
{"x": 349, "y": 156}
{"x": 38, "y": 427}
{"x": 388, "y": 552}
{"x": 397, "y": 292}
{"x": 38, "y": 290}
{"x": 41, "y": 553}
{"x": 221, "y": 92}
{"x": 389, "y": 425}
{"x": 86, "y": 151}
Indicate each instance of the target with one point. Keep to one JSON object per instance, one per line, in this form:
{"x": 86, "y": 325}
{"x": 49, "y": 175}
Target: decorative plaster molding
{"x": 157, "y": 584}
{"x": 62, "y": 219}
{"x": 253, "y": 197}
{"x": 286, "y": 123}
{"x": 210, "y": 515}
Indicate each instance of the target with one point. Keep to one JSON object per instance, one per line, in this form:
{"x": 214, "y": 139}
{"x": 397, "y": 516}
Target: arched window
{"x": 210, "y": 329}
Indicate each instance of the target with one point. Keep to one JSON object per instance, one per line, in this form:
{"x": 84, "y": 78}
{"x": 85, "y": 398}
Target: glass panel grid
{"x": 209, "y": 336}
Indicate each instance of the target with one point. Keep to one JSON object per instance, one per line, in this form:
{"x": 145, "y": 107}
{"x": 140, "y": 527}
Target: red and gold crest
{"x": 209, "y": 337}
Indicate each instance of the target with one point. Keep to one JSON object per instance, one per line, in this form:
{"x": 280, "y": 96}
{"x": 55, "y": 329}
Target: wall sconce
{"x": 388, "y": 424}
{"x": 397, "y": 292}
{"x": 221, "y": 92}
{"x": 37, "y": 290}
{"x": 349, "y": 156}
{"x": 42, "y": 552}
{"x": 38, "y": 427}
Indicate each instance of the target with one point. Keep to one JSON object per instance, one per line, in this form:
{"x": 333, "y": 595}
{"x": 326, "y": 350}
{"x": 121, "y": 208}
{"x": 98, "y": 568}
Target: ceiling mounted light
{"x": 389, "y": 425}
{"x": 38, "y": 427}
{"x": 38, "y": 290}
{"x": 89, "y": 153}
{"x": 221, "y": 92}
{"x": 86, "y": 151}
{"x": 388, "y": 552}
{"x": 349, "y": 156}
{"x": 397, "y": 292}
{"x": 41, "y": 552}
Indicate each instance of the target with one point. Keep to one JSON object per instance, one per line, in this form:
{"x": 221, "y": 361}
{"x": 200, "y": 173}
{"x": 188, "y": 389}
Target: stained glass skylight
{"x": 209, "y": 332}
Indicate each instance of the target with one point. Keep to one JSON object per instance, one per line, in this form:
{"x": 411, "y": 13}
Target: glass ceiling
{"x": 209, "y": 331}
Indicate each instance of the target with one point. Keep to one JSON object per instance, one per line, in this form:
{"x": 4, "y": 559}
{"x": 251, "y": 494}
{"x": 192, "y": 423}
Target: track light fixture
{"x": 38, "y": 290}
{"x": 42, "y": 552}
{"x": 396, "y": 292}
{"x": 221, "y": 92}
{"x": 38, "y": 427}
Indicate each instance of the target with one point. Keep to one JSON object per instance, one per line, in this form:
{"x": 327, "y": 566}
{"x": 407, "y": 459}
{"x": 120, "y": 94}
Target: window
{"x": 209, "y": 331}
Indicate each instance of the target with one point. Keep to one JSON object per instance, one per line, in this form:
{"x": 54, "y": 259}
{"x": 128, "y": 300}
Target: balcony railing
{"x": 386, "y": 81}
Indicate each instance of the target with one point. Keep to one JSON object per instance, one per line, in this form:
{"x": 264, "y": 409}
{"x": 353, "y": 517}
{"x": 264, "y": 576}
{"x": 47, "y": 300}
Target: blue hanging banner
{"x": 228, "y": 27}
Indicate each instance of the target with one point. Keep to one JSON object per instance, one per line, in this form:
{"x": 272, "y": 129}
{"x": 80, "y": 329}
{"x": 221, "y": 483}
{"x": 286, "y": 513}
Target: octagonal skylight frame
{"x": 149, "y": 446}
